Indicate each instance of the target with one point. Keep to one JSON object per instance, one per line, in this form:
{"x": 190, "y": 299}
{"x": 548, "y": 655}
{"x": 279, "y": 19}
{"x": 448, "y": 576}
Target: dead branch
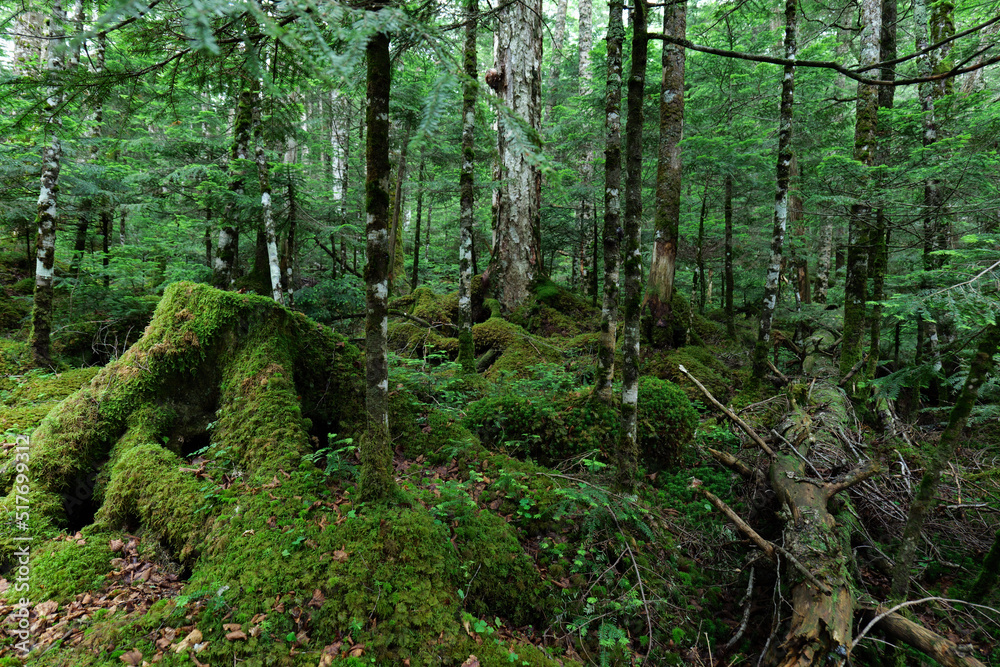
{"x": 729, "y": 413}
{"x": 854, "y": 370}
{"x": 736, "y": 465}
{"x": 904, "y": 630}
{"x": 770, "y": 548}
{"x": 746, "y": 614}
{"x": 853, "y": 477}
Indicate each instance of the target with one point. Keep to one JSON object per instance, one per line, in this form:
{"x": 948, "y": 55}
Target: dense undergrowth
{"x": 222, "y": 447}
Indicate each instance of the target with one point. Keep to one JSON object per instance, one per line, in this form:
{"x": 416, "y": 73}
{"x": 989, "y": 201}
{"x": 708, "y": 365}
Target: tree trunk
{"x": 29, "y": 42}
{"x": 612, "y": 202}
{"x": 41, "y": 311}
{"x": 467, "y": 187}
{"x": 267, "y": 212}
{"x": 376, "y": 448}
{"x": 416, "y": 232}
{"x": 784, "y": 172}
{"x": 728, "y": 279}
{"x": 923, "y": 502}
{"x": 288, "y": 275}
{"x": 517, "y": 48}
{"x": 987, "y": 578}
{"x": 586, "y": 210}
{"x": 558, "y": 35}
{"x": 628, "y": 446}
{"x": 396, "y": 255}
{"x": 820, "y": 629}
{"x": 660, "y": 286}
{"x": 879, "y": 259}
{"x": 859, "y": 231}
{"x": 227, "y": 251}
{"x": 700, "y": 256}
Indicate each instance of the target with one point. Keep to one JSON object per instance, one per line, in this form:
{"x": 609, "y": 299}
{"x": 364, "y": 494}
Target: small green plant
{"x": 339, "y": 456}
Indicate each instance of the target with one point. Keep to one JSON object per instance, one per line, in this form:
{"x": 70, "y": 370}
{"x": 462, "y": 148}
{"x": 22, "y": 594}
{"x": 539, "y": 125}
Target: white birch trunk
{"x": 41, "y": 312}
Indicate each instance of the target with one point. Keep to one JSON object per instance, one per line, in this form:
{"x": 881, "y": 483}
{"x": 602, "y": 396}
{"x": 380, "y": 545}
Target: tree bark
{"x": 612, "y": 201}
{"x": 421, "y": 170}
{"x": 48, "y": 196}
{"x": 586, "y": 210}
{"x": 879, "y": 259}
{"x": 924, "y": 501}
{"x": 376, "y": 448}
{"x": 728, "y": 279}
{"x": 267, "y": 211}
{"x": 859, "y": 231}
{"x": 467, "y": 197}
{"x": 660, "y": 286}
{"x": 628, "y": 446}
{"x": 516, "y": 259}
{"x": 783, "y": 171}
{"x": 227, "y": 252}
{"x": 558, "y": 35}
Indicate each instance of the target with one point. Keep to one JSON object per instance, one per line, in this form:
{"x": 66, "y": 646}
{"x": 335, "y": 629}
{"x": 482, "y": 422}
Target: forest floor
{"x": 512, "y": 548}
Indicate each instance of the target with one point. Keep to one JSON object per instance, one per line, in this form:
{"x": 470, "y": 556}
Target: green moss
{"x": 61, "y": 569}
{"x": 500, "y": 579}
{"x": 666, "y": 421}
{"x": 700, "y": 362}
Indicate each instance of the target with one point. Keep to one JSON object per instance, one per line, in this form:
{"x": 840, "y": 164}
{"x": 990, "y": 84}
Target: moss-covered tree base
{"x": 199, "y": 443}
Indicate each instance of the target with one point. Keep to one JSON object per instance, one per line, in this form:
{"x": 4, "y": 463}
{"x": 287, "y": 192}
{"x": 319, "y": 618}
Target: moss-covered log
{"x": 821, "y": 618}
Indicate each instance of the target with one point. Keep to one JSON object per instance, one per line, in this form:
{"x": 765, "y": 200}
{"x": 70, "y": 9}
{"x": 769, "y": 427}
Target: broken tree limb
{"x": 729, "y": 413}
{"x": 736, "y": 465}
{"x": 855, "y": 476}
{"x": 765, "y": 546}
{"x": 901, "y": 629}
{"x": 769, "y": 548}
{"x": 854, "y": 370}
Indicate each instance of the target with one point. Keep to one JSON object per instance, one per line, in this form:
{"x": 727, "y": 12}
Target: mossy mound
{"x": 414, "y": 341}
{"x": 33, "y": 394}
{"x": 519, "y": 350}
{"x": 199, "y": 438}
{"x": 701, "y": 362}
{"x": 555, "y": 311}
{"x": 553, "y": 427}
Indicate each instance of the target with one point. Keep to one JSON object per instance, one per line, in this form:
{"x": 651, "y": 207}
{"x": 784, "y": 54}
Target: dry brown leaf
{"x": 317, "y": 599}
{"x": 236, "y": 634}
{"x": 340, "y": 556}
{"x": 133, "y": 658}
{"x": 46, "y": 608}
{"x": 231, "y": 627}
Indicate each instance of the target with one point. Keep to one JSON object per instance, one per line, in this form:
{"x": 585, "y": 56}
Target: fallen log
{"x": 901, "y": 629}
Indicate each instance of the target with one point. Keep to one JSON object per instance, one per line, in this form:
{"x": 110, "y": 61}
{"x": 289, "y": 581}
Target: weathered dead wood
{"x": 729, "y": 413}
{"x": 901, "y": 629}
{"x": 738, "y": 466}
{"x": 821, "y": 619}
{"x": 766, "y": 546}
